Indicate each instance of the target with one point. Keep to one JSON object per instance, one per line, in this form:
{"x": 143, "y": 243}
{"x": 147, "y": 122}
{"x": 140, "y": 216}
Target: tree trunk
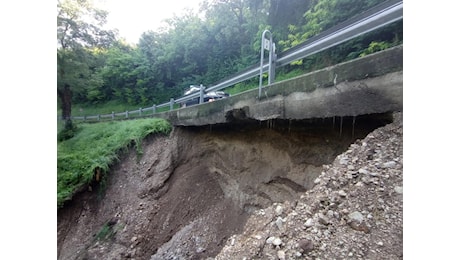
{"x": 65, "y": 95}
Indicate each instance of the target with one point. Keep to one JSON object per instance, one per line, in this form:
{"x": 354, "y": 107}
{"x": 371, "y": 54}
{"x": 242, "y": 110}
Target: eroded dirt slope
{"x": 188, "y": 194}
{"x": 354, "y": 211}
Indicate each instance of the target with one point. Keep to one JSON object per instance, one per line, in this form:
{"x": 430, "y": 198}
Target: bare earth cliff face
{"x": 258, "y": 190}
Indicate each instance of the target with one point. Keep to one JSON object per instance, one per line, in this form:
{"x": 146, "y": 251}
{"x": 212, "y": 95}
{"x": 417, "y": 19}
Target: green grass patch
{"x": 241, "y": 87}
{"x": 102, "y": 109}
{"x": 107, "y": 232}
{"x": 112, "y": 106}
{"x": 289, "y": 75}
{"x": 253, "y": 84}
{"x": 97, "y": 146}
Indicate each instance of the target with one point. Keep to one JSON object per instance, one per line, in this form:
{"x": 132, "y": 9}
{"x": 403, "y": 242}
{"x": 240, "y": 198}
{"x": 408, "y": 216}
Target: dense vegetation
{"x": 86, "y": 157}
{"x": 95, "y": 67}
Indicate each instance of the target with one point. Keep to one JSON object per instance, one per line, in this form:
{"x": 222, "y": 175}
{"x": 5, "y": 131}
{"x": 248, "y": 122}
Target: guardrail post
{"x": 201, "y": 93}
{"x": 154, "y": 109}
{"x": 84, "y": 118}
{"x": 126, "y": 114}
{"x": 113, "y": 115}
{"x": 140, "y": 111}
{"x": 171, "y": 104}
{"x": 98, "y": 117}
{"x": 265, "y": 44}
{"x": 271, "y": 66}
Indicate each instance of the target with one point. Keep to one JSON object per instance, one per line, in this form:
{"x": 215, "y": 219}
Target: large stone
{"x": 306, "y": 245}
{"x": 356, "y": 216}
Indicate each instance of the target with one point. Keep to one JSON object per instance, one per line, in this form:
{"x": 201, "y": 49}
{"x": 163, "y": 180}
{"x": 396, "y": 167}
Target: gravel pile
{"x": 354, "y": 211}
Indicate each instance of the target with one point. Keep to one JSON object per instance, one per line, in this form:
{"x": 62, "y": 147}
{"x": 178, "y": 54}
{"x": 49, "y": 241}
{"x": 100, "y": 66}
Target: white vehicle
{"x": 208, "y": 97}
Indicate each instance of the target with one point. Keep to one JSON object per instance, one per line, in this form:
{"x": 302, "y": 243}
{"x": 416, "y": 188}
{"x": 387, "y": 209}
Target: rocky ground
{"x": 355, "y": 210}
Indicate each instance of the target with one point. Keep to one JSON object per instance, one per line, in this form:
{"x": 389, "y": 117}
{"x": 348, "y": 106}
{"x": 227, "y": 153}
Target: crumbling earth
{"x": 355, "y": 210}
{"x": 271, "y": 191}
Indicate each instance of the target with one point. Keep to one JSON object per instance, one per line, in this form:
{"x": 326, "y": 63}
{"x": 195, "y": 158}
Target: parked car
{"x": 207, "y": 97}
{"x": 192, "y": 89}
{"x": 214, "y": 95}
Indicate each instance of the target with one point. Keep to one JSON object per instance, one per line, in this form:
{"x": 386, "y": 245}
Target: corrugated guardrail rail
{"x": 373, "y": 19}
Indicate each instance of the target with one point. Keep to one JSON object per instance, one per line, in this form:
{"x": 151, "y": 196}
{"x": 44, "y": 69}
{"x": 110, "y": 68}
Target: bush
{"x": 94, "y": 148}
{"x": 375, "y": 47}
{"x": 69, "y": 131}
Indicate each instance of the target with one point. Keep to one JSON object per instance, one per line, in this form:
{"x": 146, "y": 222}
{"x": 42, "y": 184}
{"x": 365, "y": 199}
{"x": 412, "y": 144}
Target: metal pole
{"x": 201, "y": 93}
{"x": 261, "y": 62}
{"x": 271, "y": 67}
{"x": 262, "y": 48}
{"x": 270, "y": 60}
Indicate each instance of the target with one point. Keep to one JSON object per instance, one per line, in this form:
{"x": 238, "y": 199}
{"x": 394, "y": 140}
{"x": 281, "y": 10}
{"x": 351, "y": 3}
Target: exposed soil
{"x": 354, "y": 211}
{"x": 190, "y": 194}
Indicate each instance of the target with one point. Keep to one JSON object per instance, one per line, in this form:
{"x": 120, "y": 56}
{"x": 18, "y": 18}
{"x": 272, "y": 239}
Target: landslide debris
{"x": 354, "y": 211}
{"x": 210, "y": 192}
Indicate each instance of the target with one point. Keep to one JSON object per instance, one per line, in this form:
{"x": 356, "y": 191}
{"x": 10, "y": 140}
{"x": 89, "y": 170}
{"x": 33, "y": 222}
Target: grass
{"x": 97, "y": 147}
{"x": 109, "y": 107}
{"x": 241, "y": 87}
{"x": 252, "y": 84}
{"x": 107, "y": 231}
{"x": 102, "y": 109}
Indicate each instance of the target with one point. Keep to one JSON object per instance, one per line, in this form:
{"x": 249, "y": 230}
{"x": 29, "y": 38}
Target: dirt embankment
{"x": 354, "y": 211}
{"x": 188, "y": 193}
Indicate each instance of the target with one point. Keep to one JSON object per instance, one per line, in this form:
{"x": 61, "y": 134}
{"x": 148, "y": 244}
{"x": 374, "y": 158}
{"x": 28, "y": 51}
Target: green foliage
{"x": 70, "y": 129}
{"x": 323, "y": 15}
{"x": 281, "y": 74}
{"x": 103, "y": 108}
{"x": 79, "y": 35}
{"x": 374, "y": 47}
{"x": 241, "y": 87}
{"x": 107, "y": 231}
{"x": 97, "y": 146}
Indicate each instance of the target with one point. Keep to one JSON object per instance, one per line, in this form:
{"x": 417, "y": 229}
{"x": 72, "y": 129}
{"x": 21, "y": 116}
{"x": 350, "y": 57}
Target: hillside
{"x": 247, "y": 192}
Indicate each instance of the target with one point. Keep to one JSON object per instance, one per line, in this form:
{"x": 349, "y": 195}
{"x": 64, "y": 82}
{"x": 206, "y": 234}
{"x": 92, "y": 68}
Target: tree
{"x": 79, "y": 28}
{"x": 124, "y": 72}
{"x": 232, "y": 27}
{"x": 324, "y": 14}
{"x": 285, "y": 14}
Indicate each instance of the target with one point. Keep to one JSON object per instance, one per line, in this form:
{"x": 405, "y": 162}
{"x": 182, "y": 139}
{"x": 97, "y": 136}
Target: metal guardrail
{"x": 370, "y": 20}
{"x": 373, "y": 19}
